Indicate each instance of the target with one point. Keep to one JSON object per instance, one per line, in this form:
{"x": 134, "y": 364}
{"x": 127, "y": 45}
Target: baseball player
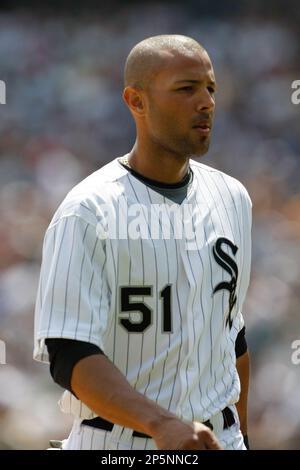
{"x": 145, "y": 270}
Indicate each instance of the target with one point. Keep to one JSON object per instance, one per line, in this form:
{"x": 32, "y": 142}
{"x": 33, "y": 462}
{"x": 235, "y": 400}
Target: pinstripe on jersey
{"x": 183, "y": 355}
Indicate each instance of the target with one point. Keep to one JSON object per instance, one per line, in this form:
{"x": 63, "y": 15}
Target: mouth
{"x": 203, "y": 126}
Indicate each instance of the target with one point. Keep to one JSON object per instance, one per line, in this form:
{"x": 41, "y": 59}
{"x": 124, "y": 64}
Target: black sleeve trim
{"x": 241, "y": 343}
{"x": 64, "y": 355}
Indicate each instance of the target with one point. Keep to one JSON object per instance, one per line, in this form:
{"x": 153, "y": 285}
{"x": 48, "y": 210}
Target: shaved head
{"x": 148, "y": 57}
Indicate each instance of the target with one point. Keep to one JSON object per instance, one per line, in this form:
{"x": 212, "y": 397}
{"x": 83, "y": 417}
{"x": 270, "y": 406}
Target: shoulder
{"x": 88, "y": 198}
{"x": 222, "y": 182}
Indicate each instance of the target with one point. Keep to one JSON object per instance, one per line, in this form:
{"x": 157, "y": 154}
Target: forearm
{"x": 243, "y": 368}
{"x": 105, "y": 390}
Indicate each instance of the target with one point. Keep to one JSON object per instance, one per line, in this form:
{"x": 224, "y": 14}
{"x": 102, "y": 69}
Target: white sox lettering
{"x": 230, "y": 266}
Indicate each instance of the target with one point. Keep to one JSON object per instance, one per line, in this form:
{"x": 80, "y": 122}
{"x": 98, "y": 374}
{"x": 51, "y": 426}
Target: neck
{"x": 164, "y": 167}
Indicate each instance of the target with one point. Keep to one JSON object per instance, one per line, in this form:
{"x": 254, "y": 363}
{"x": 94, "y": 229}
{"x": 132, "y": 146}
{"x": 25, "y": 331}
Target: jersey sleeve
{"x": 72, "y": 300}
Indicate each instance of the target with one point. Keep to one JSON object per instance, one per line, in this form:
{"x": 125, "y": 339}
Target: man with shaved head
{"x": 145, "y": 270}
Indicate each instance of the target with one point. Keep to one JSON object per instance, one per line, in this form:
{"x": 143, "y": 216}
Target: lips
{"x": 203, "y": 127}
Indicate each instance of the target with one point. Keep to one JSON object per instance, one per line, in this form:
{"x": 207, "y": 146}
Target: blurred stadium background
{"x": 64, "y": 118}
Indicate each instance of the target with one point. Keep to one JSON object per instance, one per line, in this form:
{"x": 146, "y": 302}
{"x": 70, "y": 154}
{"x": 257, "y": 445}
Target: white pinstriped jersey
{"x": 166, "y": 313}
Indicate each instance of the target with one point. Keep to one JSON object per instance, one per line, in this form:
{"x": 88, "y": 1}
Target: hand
{"x": 174, "y": 434}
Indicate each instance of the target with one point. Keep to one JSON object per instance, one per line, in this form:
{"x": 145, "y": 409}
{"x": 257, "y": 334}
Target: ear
{"x": 134, "y": 99}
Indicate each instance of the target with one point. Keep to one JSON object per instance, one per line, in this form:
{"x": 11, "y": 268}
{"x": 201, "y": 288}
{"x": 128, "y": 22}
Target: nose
{"x": 206, "y": 101}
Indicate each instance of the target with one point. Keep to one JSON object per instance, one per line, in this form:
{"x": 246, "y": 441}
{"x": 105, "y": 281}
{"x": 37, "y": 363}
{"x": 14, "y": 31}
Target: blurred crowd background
{"x": 64, "y": 118}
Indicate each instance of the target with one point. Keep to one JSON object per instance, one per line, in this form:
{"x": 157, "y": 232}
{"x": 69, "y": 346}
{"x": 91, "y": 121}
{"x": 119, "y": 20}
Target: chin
{"x": 202, "y": 147}
{"x": 202, "y": 151}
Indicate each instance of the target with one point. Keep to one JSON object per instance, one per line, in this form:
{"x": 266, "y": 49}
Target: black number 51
{"x": 128, "y": 305}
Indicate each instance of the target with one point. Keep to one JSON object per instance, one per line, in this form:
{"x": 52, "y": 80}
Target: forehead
{"x": 188, "y": 65}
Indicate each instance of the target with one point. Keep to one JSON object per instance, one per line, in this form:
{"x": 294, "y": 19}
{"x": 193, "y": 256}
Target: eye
{"x": 186, "y": 88}
{"x": 211, "y": 90}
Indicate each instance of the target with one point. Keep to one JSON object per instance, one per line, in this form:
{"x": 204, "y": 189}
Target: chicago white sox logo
{"x": 230, "y": 266}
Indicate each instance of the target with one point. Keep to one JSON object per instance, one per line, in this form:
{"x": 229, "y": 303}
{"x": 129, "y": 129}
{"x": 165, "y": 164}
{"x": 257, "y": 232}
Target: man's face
{"x": 181, "y": 104}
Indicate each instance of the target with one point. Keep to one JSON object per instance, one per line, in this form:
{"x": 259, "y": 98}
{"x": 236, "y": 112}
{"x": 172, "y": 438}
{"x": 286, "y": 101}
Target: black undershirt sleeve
{"x": 241, "y": 343}
{"x": 64, "y": 355}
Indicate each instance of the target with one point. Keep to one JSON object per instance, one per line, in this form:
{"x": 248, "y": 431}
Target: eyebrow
{"x": 211, "y": 82}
